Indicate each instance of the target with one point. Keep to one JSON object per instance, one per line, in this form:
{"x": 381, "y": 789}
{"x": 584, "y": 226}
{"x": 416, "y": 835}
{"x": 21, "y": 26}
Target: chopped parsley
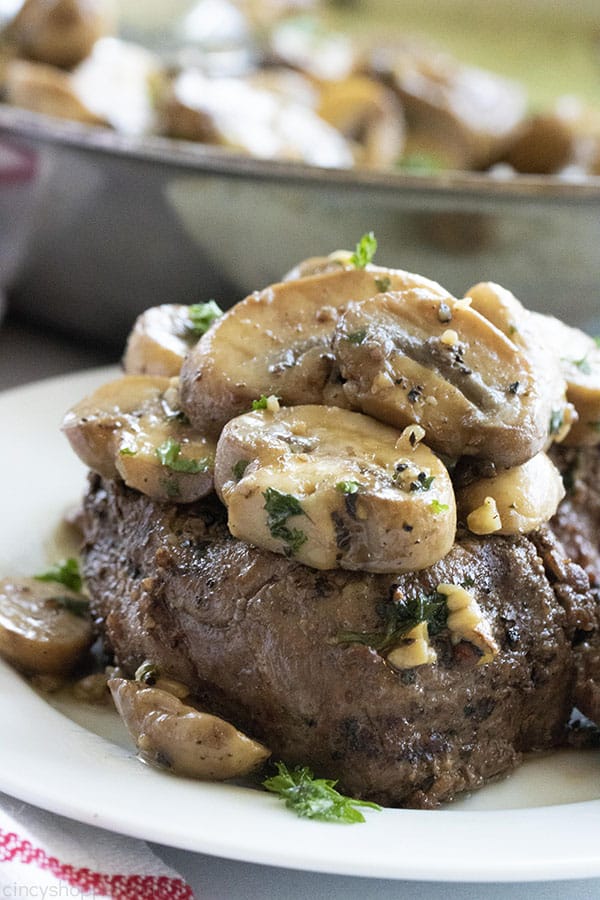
{"x": 314, "y": 798}
{"x": 400, "y": 617}
{"x": 239, "y": 468}
{"x": 65, "y": 572}
{"x": 437, "y": 507}
{"x": 78, "y": 606}
{"x": 202, "y": 315}
{"x": 383, "y": 284}
{"x": 365, "y": 251}
{"x": 556, "y": 421}
{"x": 357, "y": 337}
{"x": 423, "y": 482}
{"x": 169, "y": 454}
{"x": 261, "y": 403}
{"x": 347, "y": 487}
{"x": 281, "y": 507}
{"x": 127, "y": 451}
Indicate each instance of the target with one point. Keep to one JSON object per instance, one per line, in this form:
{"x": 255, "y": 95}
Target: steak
{"x": 262, "y": 641}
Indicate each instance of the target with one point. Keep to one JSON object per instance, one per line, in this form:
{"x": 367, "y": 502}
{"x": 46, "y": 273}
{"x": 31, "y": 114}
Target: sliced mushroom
{"x": 120, "y": 82}
{"x": 133, "y": 428}
{"x": 334, "y": 488}
{"x": 159, "y": 341}
{"x": 172, "y": 735}
{"x": 278, "y": 341}
{"x": 578, "y": 355}
{"x": 114, "y": 87}
{"x": 308, "y": 45}
{"x": 463, "y": 116}
{"x": 526, "y": 329}
{"x": 44, "y": 626}
{"x": 568, "y": 136}
{"x": 368, "y": 114}
{"x": 411, "y": 357}
{"x": 45, "y": 89}
{"x": 234, "y": 113}
{"x": 524, "y": 497}
{"x": 58, "y": 32}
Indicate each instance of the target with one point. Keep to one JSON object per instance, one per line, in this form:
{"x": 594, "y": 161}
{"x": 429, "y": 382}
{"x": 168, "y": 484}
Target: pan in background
{"x": 103, "y": 226}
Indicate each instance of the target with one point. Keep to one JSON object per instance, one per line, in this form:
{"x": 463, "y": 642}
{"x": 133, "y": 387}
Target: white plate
{"x": 542, "y": 823}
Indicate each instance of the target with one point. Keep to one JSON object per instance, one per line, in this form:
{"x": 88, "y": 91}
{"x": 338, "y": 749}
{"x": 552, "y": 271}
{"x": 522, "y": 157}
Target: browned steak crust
{"x": 255, "y": 636}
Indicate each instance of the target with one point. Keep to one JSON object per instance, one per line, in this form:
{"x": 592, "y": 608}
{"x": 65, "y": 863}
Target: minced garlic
{"x": 411, "y": 436}
{"x": 449, "y": 337}
{"x": 485, "y": 519}
{"x": 414, "y": 649}
{"x": 466, "y": 621}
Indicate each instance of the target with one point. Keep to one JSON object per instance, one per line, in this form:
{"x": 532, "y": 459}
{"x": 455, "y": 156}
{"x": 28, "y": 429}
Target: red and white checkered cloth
{"x": 46, "y": 856}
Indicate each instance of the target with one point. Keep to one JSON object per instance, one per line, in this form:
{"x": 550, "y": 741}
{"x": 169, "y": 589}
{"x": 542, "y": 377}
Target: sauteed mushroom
{"x": 175, "y": 736}
{"x": 334, "y": 488}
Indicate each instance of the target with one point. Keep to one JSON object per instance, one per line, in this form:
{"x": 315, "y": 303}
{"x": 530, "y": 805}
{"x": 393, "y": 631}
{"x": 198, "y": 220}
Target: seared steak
{"x": 258, "y": 638}
{"x": 577, "y": 522}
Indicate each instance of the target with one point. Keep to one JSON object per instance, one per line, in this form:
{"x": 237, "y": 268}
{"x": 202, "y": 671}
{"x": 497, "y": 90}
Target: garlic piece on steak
{"x": 524, "y": 497}
{"x": 133, "y": 429}
{"x": 334, "y": 488}
{"x": 44, "y": 626}
{"x": 175, "y": 736}
{"x": 466, "y": 621}
{"x": 278, "y": 341}
{"x": 402, "y": 366}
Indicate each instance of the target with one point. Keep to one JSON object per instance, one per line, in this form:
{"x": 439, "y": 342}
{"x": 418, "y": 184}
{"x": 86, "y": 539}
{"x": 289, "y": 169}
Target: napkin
{"x": 46, "y": 856}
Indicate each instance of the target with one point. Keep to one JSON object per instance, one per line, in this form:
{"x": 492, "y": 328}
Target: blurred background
{"x": 154, "y": 152}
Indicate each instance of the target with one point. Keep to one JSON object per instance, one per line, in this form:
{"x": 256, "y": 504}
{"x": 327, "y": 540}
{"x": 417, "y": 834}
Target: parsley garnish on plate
{"x": 314, "y": 798}
{"x": 169, "y": 454}
{"x": 202, "y": 315}
{"x": 65, "y": 572}
{"x": 365, "y": 251}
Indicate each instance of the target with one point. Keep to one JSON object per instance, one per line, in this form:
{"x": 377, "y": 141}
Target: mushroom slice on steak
{"x": 579, "y": 357}
{"x": 278, "y": 341}
{"x": 518, "y": 500}
{"x": 44, "y": 626}
{"x": 334, "y": 488}
{"x": 159, "y": 341}
{"x": 173, "y": 735}
{"x": 412, "y": 357}
{"x": 133, "y": 429}
{"x": 529, "y": 331}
